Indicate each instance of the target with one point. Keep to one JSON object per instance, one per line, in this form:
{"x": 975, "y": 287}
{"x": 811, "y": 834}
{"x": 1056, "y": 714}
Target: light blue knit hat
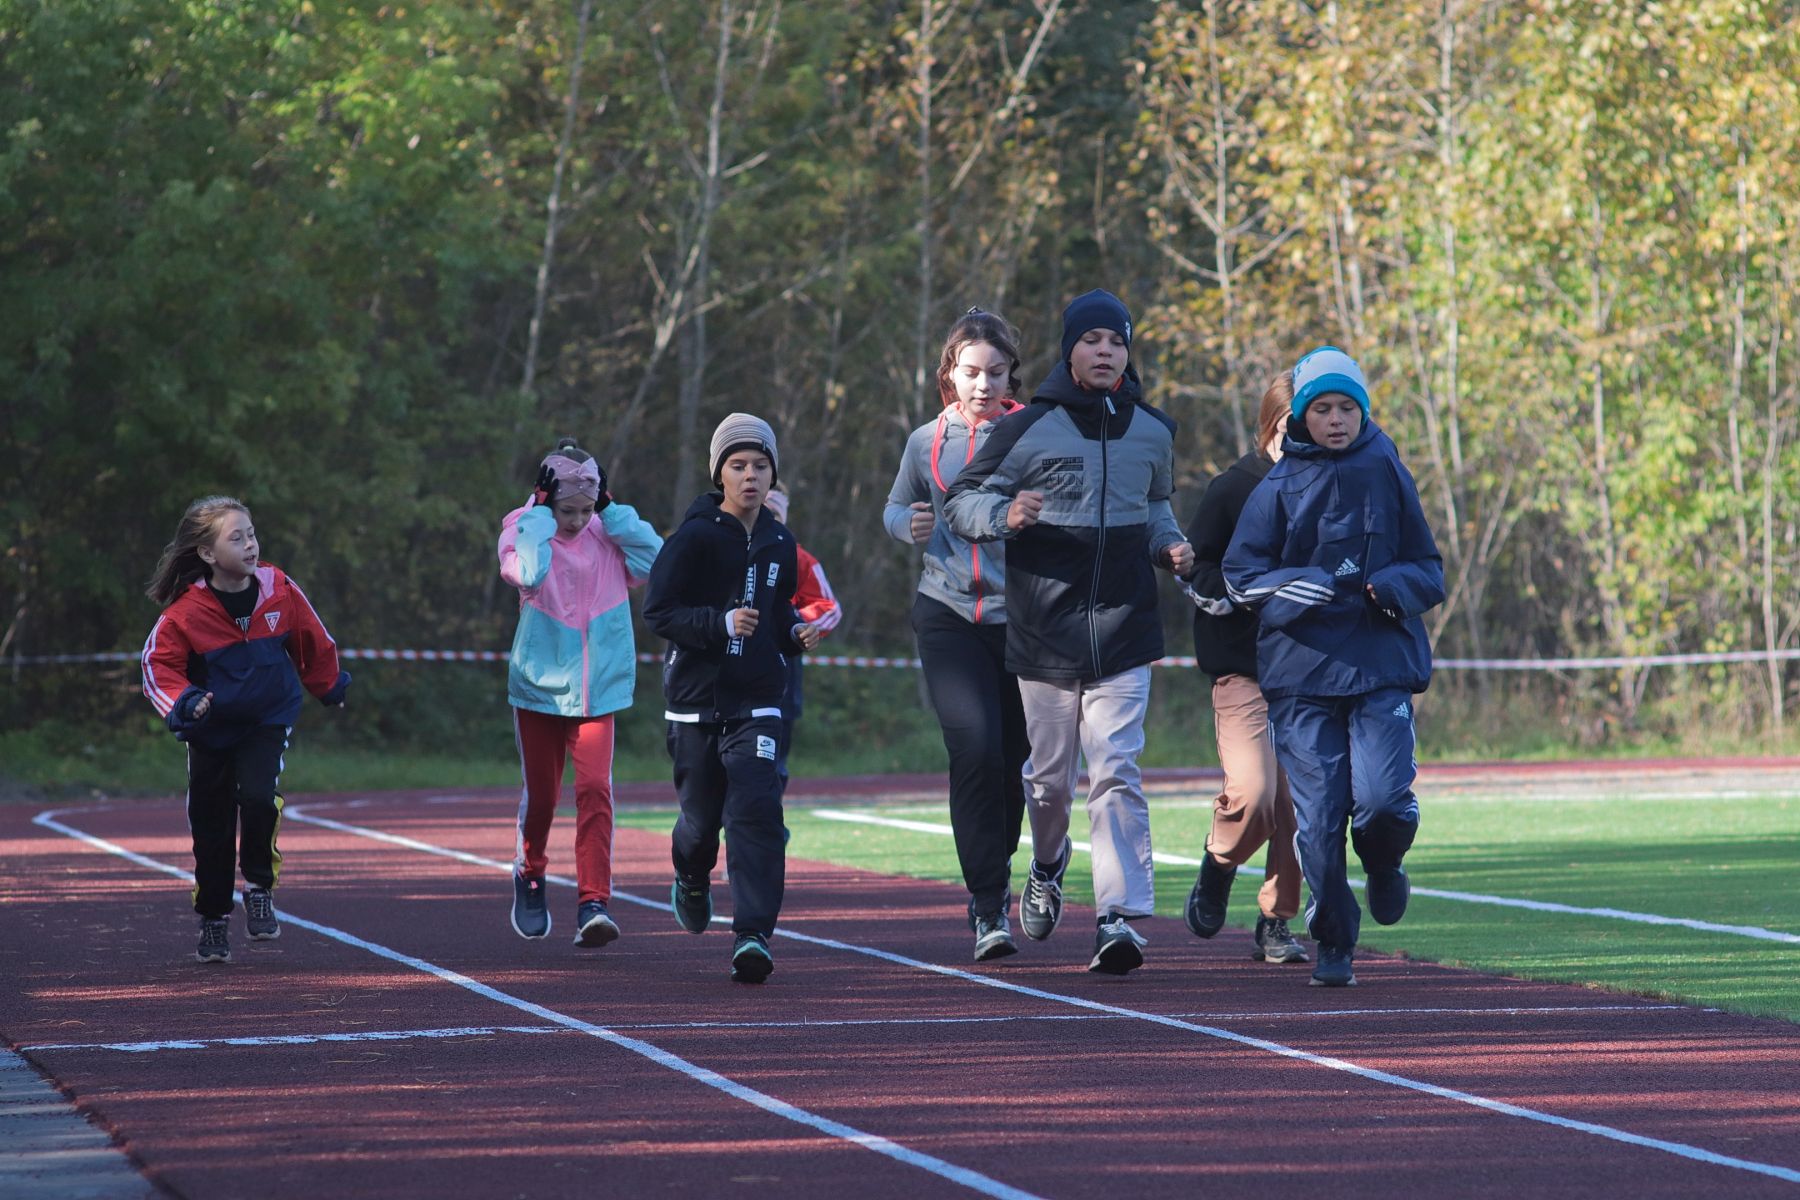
{"x": 1328, "y": 369}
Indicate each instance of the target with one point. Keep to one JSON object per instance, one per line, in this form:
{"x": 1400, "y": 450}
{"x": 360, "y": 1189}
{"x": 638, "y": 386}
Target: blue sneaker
{"x": 530, "y": 915}
{"x": 1388, "y": 892}
{"x": 215, "y": 945}
{"x": 751, "y": 961}
{"x": 594, "y": 926}
{"x": 1334, "y": 968}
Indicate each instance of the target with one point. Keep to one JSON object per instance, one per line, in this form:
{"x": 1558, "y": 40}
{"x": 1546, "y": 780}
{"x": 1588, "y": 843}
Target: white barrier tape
{"x": 859, "y": 660}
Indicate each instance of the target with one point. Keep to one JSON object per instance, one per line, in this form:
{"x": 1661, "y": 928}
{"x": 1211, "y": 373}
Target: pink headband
{"x": 573, "y": 477}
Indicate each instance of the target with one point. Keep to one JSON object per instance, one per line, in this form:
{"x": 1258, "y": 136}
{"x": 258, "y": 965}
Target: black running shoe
{"x": 215, "y": 942}
{"x": 530, "y": 915}
{"x": 1388, "y": 892}
{"x": 1334, "y": 967}
{"x": 1118, "y": 948}
{"x": 259, "y": 915}
{"x": 1276, "y": 943}
{"x": 594, "y": 926}
{"x": 1206, "y": 903}
{"x": 692, "y": 904}
{"x": 1041, "y": 907}
{"x": 993, "y": 937}
{"x": 751, "y": 961}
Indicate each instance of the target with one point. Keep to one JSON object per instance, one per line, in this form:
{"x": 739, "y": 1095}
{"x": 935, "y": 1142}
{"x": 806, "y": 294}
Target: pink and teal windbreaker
{"x": 573, "y": 654}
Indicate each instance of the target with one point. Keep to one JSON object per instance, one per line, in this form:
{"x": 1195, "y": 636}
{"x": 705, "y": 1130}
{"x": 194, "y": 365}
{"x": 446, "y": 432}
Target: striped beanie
{"x": 741, "y": 431}
{"x": 1328, "y": 369}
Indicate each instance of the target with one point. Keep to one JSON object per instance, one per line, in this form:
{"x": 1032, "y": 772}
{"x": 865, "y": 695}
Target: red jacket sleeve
{"x": 165, "y": 662}
{"x": 813, "y": 598}
{"x": 314, "y": 652}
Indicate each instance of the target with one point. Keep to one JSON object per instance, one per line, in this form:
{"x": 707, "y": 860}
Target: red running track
{"x": 425, "y": 1050}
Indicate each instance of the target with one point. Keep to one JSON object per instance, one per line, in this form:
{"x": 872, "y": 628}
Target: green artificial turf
{"x": 1726, "y": 860}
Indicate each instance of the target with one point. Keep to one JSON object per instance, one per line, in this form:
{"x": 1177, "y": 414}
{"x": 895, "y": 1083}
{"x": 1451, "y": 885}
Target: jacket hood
{"x": 1298, "y": 444}
{"x": 1059, "y": 387}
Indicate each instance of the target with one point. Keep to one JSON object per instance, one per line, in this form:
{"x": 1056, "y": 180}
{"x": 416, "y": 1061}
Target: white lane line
{"x": 462, "y": 1031}
{"x": 1614, "y": 914}
{"x": 1679, "y": 1149}
{"x": 967, "y": 1178}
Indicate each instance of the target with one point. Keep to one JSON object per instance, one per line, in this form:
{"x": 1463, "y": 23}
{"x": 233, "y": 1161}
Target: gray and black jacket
{"x": 970, "y": 580}
{"x": 1080, "y": 584}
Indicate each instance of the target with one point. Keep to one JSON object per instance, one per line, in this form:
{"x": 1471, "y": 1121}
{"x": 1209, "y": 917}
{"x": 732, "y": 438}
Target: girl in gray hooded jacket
{"x": 959, "y": 618}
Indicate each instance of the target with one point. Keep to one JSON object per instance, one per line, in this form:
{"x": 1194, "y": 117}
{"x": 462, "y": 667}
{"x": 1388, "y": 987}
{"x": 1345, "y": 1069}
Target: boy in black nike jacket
{"x": 722, "y": 593}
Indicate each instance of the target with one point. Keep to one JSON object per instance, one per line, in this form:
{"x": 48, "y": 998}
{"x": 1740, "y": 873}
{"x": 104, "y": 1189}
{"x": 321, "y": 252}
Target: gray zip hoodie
{"x": 970, "y": 579}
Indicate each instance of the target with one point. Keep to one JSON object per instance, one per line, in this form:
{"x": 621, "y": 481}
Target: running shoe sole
{"x": 751, "y": 964}
{"x": 600, "y": 930}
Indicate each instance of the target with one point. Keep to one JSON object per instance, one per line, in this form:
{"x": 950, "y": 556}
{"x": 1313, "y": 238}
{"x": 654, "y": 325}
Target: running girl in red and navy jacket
{"x": 228, "y": 663}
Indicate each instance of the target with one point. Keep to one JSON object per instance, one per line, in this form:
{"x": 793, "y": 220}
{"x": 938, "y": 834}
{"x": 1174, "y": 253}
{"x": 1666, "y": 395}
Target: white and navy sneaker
{"x": 1040, "y": 910}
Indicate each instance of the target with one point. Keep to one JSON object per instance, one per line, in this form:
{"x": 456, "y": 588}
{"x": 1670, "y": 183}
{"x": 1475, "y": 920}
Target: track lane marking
{"x": 964, "y": 1176}
{"x": 1607, "y": 1132}
{"x": 1614, "y": 914}
{"x": 457, "y": 1031}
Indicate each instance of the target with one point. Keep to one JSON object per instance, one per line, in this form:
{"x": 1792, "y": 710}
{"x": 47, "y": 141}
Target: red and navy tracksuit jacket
{"x": 257, "y": 676}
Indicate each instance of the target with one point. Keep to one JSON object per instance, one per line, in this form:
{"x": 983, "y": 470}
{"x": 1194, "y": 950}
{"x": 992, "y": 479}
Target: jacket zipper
{"x": 1099, "y": 545}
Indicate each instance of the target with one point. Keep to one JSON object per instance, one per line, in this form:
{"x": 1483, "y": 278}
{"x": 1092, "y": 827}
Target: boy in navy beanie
{"x": 1078, "y": 484}
{"x": 1334, "y": 554}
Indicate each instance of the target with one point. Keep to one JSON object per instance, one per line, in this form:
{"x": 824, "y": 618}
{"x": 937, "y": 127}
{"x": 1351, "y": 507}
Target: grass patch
{"x": 1730, "y": 862}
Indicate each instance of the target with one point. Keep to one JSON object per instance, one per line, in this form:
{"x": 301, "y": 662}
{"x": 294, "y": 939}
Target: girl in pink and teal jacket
{"x": 572, "y": 553}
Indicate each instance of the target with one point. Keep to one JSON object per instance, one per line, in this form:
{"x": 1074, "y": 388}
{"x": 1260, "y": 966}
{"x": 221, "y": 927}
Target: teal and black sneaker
{"x": 530, "y": 915}
{"x": 259, "y": 915}
{"x": 692, "y": 904}
{"x": 751, "y": 961}
{"x": 215, "y": 943}
{"x": 594, "y": 926}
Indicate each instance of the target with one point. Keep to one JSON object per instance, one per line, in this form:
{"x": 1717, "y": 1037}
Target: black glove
{"x": 546, "y": 486}
{"x": 605, "y": 497}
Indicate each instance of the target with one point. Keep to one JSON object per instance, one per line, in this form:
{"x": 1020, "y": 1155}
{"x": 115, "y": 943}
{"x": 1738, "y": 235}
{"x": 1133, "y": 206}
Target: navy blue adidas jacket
{"x": 1321, "y": 528}
{"x": 1081, "y": 583}
{"x": 708, "y": 567}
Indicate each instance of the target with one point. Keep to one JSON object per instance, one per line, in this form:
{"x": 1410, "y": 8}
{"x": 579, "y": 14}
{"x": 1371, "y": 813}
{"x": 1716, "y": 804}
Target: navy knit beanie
{"x": 1098, "y": 309}
{"x": 1328, "y": 369}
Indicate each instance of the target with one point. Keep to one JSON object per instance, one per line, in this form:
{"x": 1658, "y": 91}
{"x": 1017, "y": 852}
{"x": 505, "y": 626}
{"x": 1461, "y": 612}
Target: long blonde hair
{"x": 180, "y": 563}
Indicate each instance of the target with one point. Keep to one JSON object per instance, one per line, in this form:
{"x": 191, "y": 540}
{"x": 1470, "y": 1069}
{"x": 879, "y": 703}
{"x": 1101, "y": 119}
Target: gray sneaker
{"x": 1276, "y": 943}
{"x": 215, "y": 942}
{"x": 1041, "y": 907}
{"x": 993, "y": 937}
{"x": 1118, "y": 948}
{"x": 259, "y": 915}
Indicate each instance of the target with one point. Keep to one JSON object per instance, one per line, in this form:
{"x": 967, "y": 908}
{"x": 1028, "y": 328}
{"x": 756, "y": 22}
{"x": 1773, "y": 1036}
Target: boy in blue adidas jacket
{"x": 1334, "y": 554}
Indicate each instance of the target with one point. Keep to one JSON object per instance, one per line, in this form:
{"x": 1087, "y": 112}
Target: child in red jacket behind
{"x": 227, "y": 665}
{"x": 818, "y": 606}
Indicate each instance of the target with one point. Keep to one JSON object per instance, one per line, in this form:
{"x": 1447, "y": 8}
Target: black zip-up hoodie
{"x": 708, "y": 567}
{"x": 1224, "y": 634}
{"x": 1081, "y": 583}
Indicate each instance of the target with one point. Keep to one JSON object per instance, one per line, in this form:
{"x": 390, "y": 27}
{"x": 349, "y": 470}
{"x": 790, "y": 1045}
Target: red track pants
{"x": 544, "y": 743}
